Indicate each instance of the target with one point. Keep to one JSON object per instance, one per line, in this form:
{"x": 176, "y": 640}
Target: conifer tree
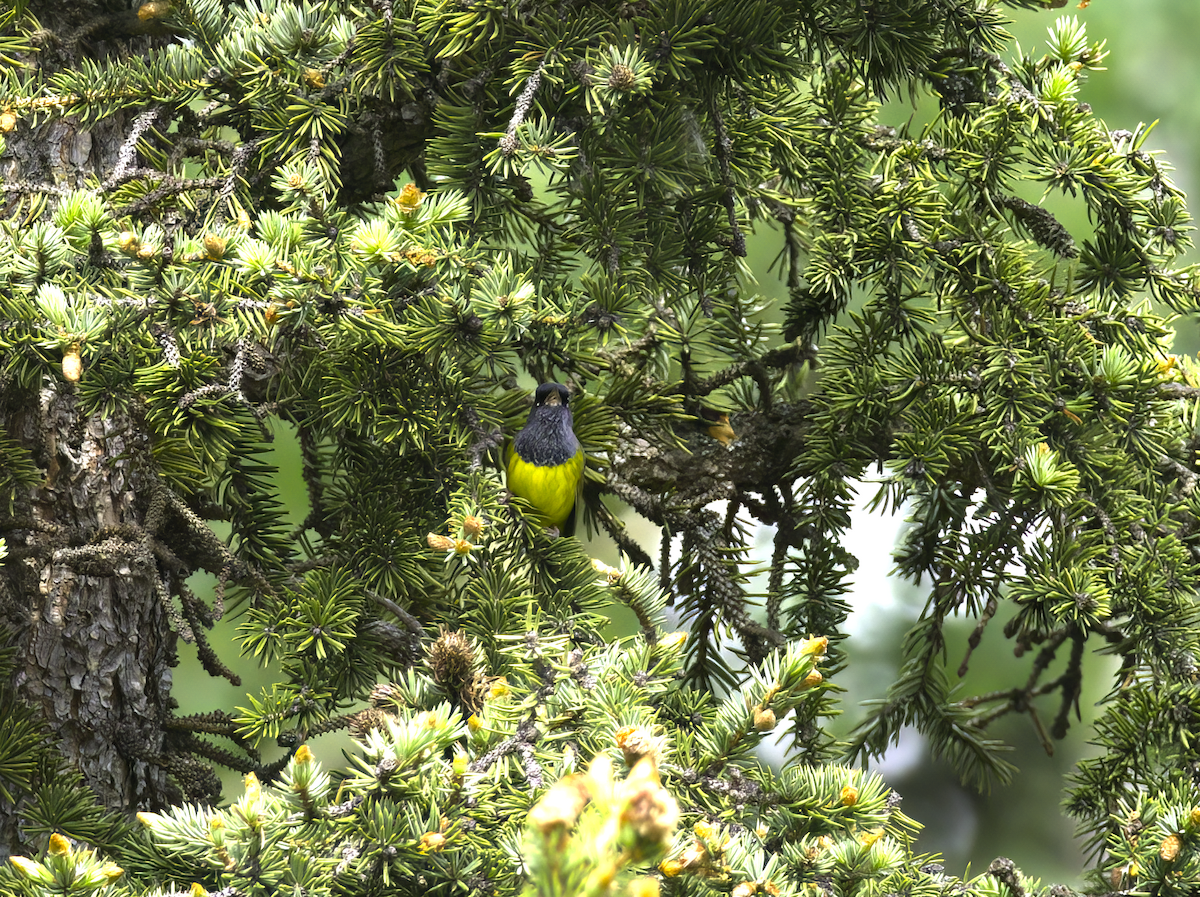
{"x": 372, "y": 227}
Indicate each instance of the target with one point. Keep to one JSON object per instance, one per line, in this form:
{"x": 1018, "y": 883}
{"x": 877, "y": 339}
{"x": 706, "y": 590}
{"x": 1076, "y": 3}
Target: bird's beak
{"x": 553, "y": 399}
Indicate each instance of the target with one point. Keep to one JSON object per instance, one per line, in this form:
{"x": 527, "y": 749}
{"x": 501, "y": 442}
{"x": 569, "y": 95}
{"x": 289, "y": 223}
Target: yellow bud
{"x": 8, "y": 121}
{"x": 1194, "y": 817}
{"x": 745, "y": 889}
{"x": 155, "y": 9}
{"x": 314, "y": 78}
{"x": 439, "y": 543}
{"x": 849, "y": 796}
{"x": 1170, "y": 847}
{"x": 764, "y": 719}
{"x": 612, "y": 574}
{"x": 253, "y": 788}
{"x": 559, "y": 807}
{"x": 197, "y": 890}
{"x": 28, "y": 867}
{"x": 410, "y": 197}
{"x": 128, "y": 242}
{"x": 473, "y": 526}
{"x": 462, "y": 547}
{"x": 647, "y": 808}
{"x": 644, "y": 887}
{"x": 111, "y": 871}
{"x": 635, "y": 743}
{"x": 671, "y": 868}
{"x": 499, "y": 688}
{"x": 295, "y": 181}
{"x": 866, "y": 839}
{"x": 673, "y": 640}
{"x": 214, "y": 246}
{"x": 304, "y": 754}
{"x": 432, "y": 842}
{"x": 147, "y": 819}
{"x": 243, "y": 220}
{"x": 72, "y": 364}
{"x": 473, "y": 723}
{"x": 59, "y": 846}
{"x": 811, "y": 646}
{"x": 812, "y": 679}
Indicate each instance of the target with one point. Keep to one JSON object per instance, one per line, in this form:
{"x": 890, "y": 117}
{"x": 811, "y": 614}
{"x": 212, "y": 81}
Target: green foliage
{"x": 381, "y": 224}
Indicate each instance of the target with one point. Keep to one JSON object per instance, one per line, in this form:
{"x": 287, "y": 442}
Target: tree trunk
{"x": 80, "y": 590}
{"x": 95, "y": 647}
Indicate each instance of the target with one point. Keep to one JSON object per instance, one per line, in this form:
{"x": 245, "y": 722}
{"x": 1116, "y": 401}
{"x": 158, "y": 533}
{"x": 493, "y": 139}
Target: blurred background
{"x": 1152, "y": 74}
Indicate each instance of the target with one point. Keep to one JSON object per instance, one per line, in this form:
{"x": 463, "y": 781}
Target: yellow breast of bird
{"x": 550, "y": 489}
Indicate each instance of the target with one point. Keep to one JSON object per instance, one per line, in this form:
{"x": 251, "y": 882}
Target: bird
{"x": 545, "y": 462}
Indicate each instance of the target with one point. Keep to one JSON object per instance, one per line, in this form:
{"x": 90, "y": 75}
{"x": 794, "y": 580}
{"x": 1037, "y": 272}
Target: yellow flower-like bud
{"x": 410, "y": 197}
{"x": 128, "y": 242}
{"x": 813, "y": 646}
{"x": 111, "y": 871}
{"x": 610, "y": 574}
{"x": 72, "y": 364}
{"x": 29, "y": 868}
{"x": 635, "y": 743}
{"x": 745, "y": 889}
{"x": 314, "y": 78}
{"x": 812, "y": 679}
{"x": 473, "y": 723}
{"x": 1194, "y": 817}
{"x": 560, "y": 807}
{"x": 439, "y": 543}
{"x": 214, "y": 247}
{"x": 8, "y": 121}
{"x": 647, "y": 807}
{"x": 304, "y": 754}
{"x": 866, "y": 839}
{"x": 1168, "y": 851}
{"x": 473, "y": 526}
{"x": 58, "y": 846}
{"x": 197, "y": 890}
{"x": 764, "y": 719}
{"x": 462, "y": 547}
{"x": 673, "y": 640}
{"x": 432, "y": 842}
{"x": 644, "y": 887}
{"x": 672, "y": 868}
{"x": 253, "y": 788}
{"x": 499, "y": 688}
{"x": 155, "y": 9}
{"x": 849, "y": 796}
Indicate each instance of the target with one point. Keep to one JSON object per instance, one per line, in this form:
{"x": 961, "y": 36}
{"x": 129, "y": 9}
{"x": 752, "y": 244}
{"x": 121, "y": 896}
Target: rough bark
{"x": 80, "y": 590}
{"x": 95, "y": 647}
